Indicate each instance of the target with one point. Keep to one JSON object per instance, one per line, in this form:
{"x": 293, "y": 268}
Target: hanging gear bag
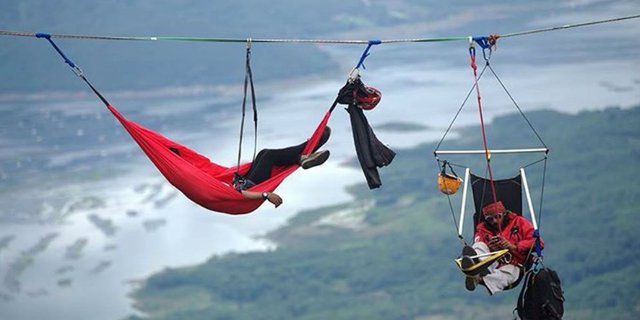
{"x": 541, "y": 296}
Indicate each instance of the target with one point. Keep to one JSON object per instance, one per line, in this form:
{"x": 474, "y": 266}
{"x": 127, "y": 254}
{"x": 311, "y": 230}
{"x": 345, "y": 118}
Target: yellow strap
{"x": 492, "y": 258}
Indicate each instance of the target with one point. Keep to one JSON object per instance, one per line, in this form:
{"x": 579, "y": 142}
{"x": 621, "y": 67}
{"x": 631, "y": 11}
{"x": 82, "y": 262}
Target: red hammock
{"x": 204, "y": 182}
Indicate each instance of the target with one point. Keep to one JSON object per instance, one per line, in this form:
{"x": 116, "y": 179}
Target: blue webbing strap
{"x": 536, "y": 234}
{"x": 66, "y": 60}
{"x": 486, "y": 43}
{"x": 365, "y": 54}
{"x": 73, "y": 66}
{"x": 482, "y": 42}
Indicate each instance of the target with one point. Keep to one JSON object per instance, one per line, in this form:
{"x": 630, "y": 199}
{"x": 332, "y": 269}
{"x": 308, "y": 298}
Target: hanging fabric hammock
{"x": 204, "y": 182}
{"x": 208, "y": 184}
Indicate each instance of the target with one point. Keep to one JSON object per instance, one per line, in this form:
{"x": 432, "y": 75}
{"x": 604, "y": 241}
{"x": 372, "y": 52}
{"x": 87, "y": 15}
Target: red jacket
{"x": 516, "y": 230}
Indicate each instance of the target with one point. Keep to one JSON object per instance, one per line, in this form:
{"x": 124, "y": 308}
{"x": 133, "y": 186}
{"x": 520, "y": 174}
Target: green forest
{"x": 393, "y": 259}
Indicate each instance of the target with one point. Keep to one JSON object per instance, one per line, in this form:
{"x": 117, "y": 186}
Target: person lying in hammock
{"x": 268, "y": 158}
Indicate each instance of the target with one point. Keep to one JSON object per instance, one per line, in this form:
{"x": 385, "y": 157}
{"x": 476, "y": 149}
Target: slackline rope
{"x": 76, "y": 70}
{"x": 326, "y": 41}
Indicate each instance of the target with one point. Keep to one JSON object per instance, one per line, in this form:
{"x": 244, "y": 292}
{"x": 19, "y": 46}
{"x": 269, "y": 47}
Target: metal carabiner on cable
{"x": 354, "y": 75}
{"x": 486, "y": 43}
{"x": 484, "y": 54}
{"x": 77, "y": 71}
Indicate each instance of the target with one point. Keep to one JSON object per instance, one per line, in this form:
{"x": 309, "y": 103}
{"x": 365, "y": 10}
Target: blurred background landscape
{"x": 90, "y": 230}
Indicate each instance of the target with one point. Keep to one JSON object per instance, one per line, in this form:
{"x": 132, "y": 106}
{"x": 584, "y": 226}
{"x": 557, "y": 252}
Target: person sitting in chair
{"x": 500, "y": 229}
{"x": 268, "y": 158}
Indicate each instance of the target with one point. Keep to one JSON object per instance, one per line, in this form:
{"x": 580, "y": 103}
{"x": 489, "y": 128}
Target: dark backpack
{"x": 541, "y": 296}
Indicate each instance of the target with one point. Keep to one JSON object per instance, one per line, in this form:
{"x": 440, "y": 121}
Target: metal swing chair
{"x": 487, "y": 190}
{"x": 510, "y": 192}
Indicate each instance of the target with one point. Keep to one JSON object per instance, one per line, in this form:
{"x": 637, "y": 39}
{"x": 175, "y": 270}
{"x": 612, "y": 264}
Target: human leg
{"x": 267, "y": 158}
{"x": 323, "y": 138}
{"x": 314, "y": 159}
{"x": 501, "y": 278}
{"x": 466, "y": 263}
{"x": 471, "y": 261}
{"x": 496, "y": 278}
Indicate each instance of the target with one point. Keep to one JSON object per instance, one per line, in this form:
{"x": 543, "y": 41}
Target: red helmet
{"x": 367, "y": 98}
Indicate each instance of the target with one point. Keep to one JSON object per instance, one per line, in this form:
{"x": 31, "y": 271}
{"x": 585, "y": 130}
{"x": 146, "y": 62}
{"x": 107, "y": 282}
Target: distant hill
{"x": 30, "y": 64}
{"x": 393, "y": 257}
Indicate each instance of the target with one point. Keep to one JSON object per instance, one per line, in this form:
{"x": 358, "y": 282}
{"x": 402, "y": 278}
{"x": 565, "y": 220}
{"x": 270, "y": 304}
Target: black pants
{"x": 267, "y": 158}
